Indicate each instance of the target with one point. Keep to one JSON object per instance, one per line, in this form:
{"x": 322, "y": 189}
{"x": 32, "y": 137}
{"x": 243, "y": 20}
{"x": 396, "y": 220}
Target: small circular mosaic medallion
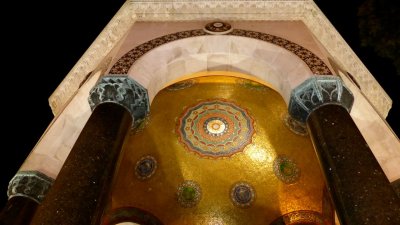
{"x": 140, "y": 125}
{"x": 242, "y": 194}
{"x": 215, "y": 128}
{"x": 295, "y": 126}
{"x": 286, "y": 169}
{"x": 189, "y": 194}
{"x": 145, "y": 167}
{"x": 218, "y": 27}
{"x": 181, "y": 85}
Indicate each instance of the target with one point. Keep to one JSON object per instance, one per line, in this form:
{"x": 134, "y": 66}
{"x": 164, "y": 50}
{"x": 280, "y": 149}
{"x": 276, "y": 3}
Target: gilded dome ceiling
{"x": 217, "y": 150}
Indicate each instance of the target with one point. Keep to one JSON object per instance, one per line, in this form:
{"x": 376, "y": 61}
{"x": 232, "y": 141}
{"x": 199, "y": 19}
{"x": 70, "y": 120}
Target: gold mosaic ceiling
{"x": 216, "y": 150}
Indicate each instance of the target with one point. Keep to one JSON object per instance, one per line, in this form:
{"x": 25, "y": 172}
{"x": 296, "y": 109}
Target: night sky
{"x": 43, "y": 53}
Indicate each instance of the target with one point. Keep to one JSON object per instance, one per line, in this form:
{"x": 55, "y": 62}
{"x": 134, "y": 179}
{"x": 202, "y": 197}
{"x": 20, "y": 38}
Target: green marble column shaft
{"x": 78, "y": 194}
{"x": 360, "y": 190}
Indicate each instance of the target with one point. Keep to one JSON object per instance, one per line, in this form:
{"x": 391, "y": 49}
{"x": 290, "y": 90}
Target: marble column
{"x": 80, "y": 191}
{"x": 361, "y": 192}
{"x": 25, "y": 192}
{"x": 396, "y": 186}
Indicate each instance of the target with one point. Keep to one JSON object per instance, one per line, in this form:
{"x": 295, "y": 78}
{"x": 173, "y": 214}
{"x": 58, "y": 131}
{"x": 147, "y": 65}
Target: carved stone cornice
{"x": 30, "y": 184}
{"x": 123, "y": 91}
{"x": 188, "y": 10}
{"x": 318, "y": 91}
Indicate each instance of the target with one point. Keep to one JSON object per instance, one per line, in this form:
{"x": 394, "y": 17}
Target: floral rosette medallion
{"x": 215, "y": 128}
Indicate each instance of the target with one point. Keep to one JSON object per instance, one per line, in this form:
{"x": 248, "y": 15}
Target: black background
{"x": 43, "y": 40}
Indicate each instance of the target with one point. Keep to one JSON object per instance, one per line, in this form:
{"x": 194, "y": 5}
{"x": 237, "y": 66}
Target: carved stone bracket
{"x": 123, "y": 91}
{"x": 318, "y": 91}
{"x": 30, "y": 184}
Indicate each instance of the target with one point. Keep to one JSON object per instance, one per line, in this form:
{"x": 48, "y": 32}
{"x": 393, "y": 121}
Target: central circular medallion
{"x": 215, "y": 128}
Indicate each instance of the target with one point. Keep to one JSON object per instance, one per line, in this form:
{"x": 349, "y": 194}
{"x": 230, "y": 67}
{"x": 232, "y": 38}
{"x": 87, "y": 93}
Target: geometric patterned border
{"x": 316, "y": 65}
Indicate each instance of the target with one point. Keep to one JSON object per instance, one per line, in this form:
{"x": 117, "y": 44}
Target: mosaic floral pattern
{"x": 242, "y": 194}
{"x": 286, "y": 169}
{"x": 145, "y": 167}
{"x": 215, "y": 128}
{"x": 218, "y": 27}
{"x": 316, "y": 65}
{"x": 300, "y": 217}
{"x": 295, "y": 126}
{"x": 181, "y": 85}
{"x": 189, "y": 194}
{"x": 30, "y": 184}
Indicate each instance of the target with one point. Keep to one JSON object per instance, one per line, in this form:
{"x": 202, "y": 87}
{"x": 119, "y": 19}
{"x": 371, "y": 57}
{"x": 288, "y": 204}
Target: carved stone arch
{"x": 166, "y": 58}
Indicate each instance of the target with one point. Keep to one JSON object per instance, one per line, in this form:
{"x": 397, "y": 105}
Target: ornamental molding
{"x": 157, "y": 10}
{"x": 318, "y": 91}
{"x": 30, "y": 184}
{"x": 225, "y": 10}
{"x": 314, "y": 63}
{"x": 123, "y": 91}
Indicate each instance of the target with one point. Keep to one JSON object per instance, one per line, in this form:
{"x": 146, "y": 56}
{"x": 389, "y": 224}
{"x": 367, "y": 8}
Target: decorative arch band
{"x": 316, "y": 65}
{"x": 130, "y": 214}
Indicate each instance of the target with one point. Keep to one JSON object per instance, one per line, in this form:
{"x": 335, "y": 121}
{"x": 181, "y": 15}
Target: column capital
{"x": 123, "y": 91}
{"x": 318, "y": 91}
{"x": 30, "y": 184}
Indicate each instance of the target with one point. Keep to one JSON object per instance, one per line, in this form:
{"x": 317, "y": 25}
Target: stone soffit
{"x": 268, "y": 10}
